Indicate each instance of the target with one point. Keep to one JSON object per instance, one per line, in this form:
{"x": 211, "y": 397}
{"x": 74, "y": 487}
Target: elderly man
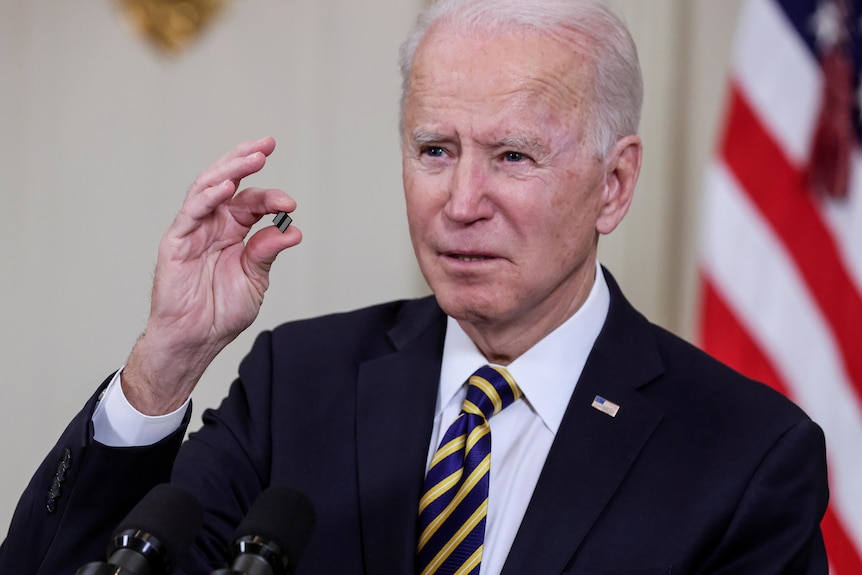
{"x": 617, "y": 447}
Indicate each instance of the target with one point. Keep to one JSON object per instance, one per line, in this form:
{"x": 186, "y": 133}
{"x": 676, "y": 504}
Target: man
{"x": 629, "y": 450}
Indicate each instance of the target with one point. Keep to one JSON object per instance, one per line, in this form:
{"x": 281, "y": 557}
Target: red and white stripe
{"x": 781, "y": 268}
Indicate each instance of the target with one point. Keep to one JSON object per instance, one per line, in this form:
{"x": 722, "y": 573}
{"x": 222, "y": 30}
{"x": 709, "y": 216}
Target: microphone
{"x": 272, "y": 537}
{"x": 154, "y": 535}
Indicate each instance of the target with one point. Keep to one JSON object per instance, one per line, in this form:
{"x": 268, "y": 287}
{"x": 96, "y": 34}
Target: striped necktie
{"x": 454, "y": 506}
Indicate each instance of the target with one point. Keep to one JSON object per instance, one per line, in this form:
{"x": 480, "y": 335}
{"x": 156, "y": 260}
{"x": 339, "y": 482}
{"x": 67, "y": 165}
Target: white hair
{"x": 586, "y": 25}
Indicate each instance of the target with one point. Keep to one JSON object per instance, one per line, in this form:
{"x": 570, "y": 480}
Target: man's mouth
{"x": 469, "y": 258}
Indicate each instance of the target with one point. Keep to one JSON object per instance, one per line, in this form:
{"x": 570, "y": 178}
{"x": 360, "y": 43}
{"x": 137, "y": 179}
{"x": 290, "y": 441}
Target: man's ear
{"x": 622, "y": 166}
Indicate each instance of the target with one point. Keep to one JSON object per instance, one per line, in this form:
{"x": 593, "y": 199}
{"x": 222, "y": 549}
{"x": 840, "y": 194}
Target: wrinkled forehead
{"x": 512, "y": 66}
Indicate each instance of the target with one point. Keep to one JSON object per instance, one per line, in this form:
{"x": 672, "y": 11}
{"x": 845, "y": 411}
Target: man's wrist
{"x": 159, "y": 380}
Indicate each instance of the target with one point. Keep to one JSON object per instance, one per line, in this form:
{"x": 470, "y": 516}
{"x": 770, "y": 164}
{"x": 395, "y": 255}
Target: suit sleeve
{"x": 83, "y": 489}
{"x": 78, "y": 495}
{"x": 776, "y": 527}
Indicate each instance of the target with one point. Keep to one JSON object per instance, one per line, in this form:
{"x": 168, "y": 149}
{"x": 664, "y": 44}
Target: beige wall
{"x": 100, "y": 135}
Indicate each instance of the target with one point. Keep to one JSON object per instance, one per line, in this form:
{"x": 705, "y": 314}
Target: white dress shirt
{"x": 521, "y": 434}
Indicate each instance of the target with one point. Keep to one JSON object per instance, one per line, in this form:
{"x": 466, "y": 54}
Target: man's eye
{"x": 514, "y": 157}
{"x": 434, "y": 151}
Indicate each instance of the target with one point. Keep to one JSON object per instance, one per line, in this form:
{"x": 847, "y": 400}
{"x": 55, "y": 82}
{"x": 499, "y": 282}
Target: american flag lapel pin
{"x": 605, "y": 406}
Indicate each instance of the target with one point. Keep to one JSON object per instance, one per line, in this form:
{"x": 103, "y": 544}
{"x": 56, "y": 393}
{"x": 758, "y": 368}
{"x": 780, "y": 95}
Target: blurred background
{"x": 102, "y": 130}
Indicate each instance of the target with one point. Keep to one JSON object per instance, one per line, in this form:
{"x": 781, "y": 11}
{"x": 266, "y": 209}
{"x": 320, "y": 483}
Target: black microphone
{"x": 273, "y": 535}
{"x": 153, "y": 537}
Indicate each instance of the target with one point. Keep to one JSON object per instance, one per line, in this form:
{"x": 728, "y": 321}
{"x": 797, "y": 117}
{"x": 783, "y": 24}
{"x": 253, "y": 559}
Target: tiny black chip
{"x": 282, "y": 220}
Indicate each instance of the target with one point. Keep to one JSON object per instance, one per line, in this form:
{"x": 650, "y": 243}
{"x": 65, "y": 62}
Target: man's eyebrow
{"x": 521, "y": 142}
{"x": 424, "y": 137}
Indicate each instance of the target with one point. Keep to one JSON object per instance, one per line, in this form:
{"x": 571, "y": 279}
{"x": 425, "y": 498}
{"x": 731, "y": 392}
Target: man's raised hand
{"x": 209, "y": 281}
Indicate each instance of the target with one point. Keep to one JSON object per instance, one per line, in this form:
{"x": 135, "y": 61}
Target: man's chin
{"x": 473, "y": 311}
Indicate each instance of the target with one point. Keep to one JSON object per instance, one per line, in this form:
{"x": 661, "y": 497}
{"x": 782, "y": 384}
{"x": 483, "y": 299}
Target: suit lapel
{"x": 592, "y": 451}
{"x": 395, "y": 410}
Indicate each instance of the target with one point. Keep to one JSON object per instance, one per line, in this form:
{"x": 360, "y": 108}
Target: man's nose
{"x": 469, "y": 198}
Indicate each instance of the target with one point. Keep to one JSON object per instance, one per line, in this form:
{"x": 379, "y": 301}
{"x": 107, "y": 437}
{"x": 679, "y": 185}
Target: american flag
{"x": 781, "y": 253}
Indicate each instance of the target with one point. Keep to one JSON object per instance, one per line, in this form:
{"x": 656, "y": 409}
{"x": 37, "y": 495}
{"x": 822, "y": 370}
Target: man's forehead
{"x": 512, "y": 65}
{"x": 470, "y": 40}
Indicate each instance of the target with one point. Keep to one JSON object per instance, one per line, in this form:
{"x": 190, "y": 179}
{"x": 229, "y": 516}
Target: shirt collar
{"x": 546, "y": 372}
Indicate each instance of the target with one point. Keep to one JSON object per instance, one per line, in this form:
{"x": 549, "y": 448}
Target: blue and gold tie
{"x": 454, "y": 506}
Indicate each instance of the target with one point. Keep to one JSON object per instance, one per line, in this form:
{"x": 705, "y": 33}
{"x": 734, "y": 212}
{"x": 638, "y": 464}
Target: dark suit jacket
{"x": 701, "y": 471}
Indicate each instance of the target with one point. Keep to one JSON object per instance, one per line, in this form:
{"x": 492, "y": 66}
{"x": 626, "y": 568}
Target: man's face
{"x": 502, "y": 193}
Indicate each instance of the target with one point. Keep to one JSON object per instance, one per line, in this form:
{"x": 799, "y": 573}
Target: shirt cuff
{"x": 116, "y": 423}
